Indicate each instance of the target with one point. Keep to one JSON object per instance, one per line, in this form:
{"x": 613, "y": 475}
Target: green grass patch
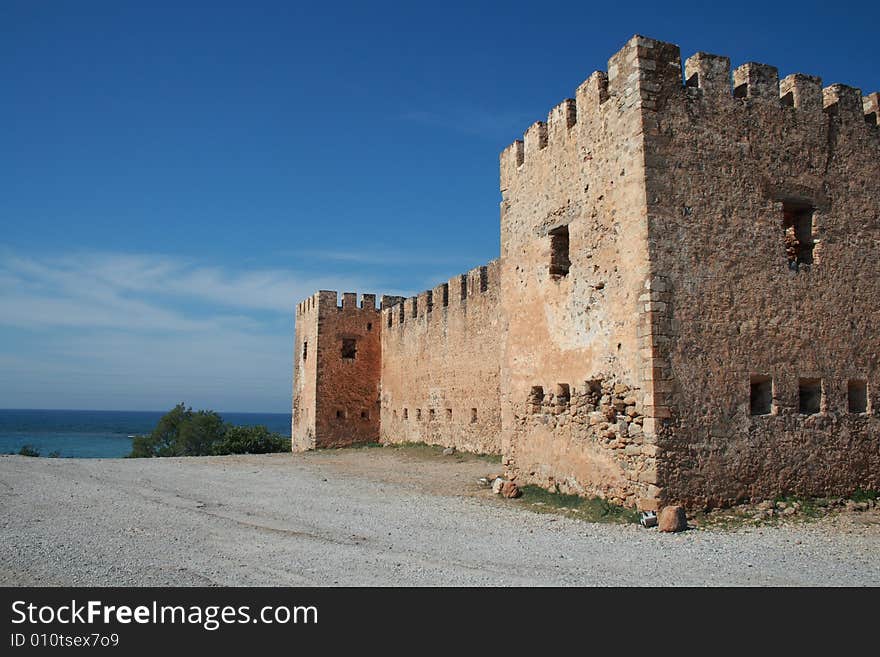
{"x": 864, "y": 495}
{"x": 363, "y": 446}
{"x": 590, "y": 509}
{"x": 810, "y": 507}
{"x": 417, "y": 449}
{"x": 426, "y": 450}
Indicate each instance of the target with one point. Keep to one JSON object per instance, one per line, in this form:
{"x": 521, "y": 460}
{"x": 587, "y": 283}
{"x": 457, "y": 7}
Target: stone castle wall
{"x": 440, "y": 365}
{"x": 725, "y": 165}
{"x": 582, "y": 170}
{"x": 305, "y": 375}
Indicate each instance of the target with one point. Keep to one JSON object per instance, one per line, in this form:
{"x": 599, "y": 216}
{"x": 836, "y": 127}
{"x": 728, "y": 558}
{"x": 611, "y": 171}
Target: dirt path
{"x": 367, "y": 517}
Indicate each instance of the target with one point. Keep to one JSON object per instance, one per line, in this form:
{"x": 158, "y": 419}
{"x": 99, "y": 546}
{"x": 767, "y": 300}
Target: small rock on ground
{"x": 672, "y": 519}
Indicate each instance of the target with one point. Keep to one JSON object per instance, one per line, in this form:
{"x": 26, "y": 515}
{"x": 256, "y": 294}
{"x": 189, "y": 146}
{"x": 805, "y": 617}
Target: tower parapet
{"x": 645, "y": 74}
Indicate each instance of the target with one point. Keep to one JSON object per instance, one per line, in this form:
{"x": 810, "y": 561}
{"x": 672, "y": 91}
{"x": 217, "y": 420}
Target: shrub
{"x": 184, "y": 432}
{"x": 251, "y": 440}
{"x": 28, "y": 450}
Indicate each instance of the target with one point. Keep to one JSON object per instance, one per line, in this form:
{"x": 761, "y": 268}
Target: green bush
{"x": 251, "y": 440}
{"x": 184, "y": 432}
{"x": 28, "y": 450}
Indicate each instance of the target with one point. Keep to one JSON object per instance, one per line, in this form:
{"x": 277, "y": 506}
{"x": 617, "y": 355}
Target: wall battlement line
{"x": 659, "y": 77}
{"x": 453, "y": 293}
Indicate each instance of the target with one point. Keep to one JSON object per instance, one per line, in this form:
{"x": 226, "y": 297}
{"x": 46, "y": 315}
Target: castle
{"x": 684, "y": 310}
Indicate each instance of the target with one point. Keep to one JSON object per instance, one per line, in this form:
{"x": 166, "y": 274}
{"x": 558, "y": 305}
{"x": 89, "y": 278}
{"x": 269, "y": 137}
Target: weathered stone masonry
{"x": 440, "y": 356}
{"x": 684, "y": 309}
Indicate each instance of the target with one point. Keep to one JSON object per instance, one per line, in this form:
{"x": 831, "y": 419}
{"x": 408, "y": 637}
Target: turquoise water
{"x": 98, "y": 434}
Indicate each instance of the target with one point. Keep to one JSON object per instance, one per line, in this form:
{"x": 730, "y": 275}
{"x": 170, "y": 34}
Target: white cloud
{"x": 140, "y": 331}
{"x": 144, "y": 292}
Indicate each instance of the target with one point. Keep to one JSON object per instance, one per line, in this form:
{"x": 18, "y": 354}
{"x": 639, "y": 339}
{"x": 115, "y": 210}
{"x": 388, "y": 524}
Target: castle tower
{"x": 337, "y": 362}
{"x": 688, "y": 264}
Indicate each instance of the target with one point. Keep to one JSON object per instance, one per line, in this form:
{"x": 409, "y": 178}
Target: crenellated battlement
{"x": 325, "y": 301}
{"x": 453, "y": 294}
{"x": 397, "y": 310}
{"x": 645, "y": 75}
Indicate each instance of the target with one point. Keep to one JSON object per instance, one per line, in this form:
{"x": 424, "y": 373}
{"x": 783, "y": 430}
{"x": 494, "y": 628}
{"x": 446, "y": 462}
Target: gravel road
{"x": 368, "y": 517}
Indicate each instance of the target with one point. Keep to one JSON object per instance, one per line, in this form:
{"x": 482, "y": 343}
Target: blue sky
{"x": 174, "y": 177}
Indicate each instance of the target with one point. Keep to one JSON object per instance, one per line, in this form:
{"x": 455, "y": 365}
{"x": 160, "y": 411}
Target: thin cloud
{"x": 144, "y": 292}
{"x": 126, "y": 331}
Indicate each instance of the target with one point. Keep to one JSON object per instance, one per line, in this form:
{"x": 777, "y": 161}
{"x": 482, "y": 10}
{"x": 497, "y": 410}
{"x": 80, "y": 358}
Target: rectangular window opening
{"x": 365, "y": 415}
{"x": 431, "y": 414}
{"x": 797, "y": 222}
{"x": 536, "y": 398}
{"x": 761, "y": 396}
{"x": 405, "y": 413}
{"x": 809, "y": 396}
{"x": 418, "y": 413}
{"x": 559, "y": 260}
{"x": 857, "y": 396}
{"x": 473, "y": 416}
{"x": 563, "y": 394}
{"x": 449, "y": 415}
{"x": 349, "y": 348}
{"x": 369, "y": 326}
{"x": 340, "y": 414}
{"x": 305, "y": 349}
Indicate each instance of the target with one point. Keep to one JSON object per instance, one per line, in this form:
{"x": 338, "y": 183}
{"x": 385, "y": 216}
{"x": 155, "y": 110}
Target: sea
{"x": 98, "y": 434}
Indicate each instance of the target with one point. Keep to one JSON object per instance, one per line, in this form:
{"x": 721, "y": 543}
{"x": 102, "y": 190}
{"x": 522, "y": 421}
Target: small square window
{"x": 536, "y": 398}
{"x": 761, "y": 395}
{"x": 857, "y": 396}
{"x": 563, "y": 394}
{"x": 365, "y": 415}
{"x": 349, "y": 348}
{"x": 340, "y": 414}
{"x": 809, "y": 396}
